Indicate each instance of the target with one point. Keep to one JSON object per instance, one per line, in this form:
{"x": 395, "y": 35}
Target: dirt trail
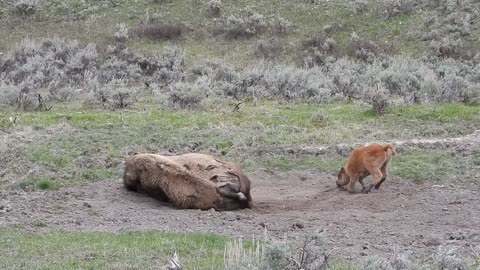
{"x": 401, "y": 216}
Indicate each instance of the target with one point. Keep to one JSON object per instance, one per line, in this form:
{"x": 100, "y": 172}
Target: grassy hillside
{"x": 97, "y": 21}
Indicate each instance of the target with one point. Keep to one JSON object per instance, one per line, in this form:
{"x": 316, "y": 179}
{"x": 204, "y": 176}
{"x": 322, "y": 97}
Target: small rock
{"x": 456, "y": 202}
{"x": 5, "y": 207}
{"x": 455, "y": 236}
{"x": 363, "y": 253}
{"x": 87, "y": 205}
{"x": 263, "y": 224}
{"x": 431, "y": 242}
{"x": 298, "y": 225}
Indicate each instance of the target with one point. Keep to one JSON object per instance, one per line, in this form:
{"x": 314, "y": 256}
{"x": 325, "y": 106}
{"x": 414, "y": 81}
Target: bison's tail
{"x": 390, "y": 150}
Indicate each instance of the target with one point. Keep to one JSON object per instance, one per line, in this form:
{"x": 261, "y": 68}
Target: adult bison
{"x": 189, "y": 181}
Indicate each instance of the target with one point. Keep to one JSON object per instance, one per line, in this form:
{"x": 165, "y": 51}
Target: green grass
{"x": 267, "y": 113}
{"x": 72, "y": 144}
{"x": 49, "y": 185}
{"x": 127, "y": 250}
{"x": 344, "y": 265}
{"x": 97, "y": 250}
{"x": 421, "y": 166}
{"x": 44, "y": 154}
{"x": 286, "y": 163}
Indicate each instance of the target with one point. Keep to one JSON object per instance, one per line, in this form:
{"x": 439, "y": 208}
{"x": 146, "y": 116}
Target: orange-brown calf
{"x": 373, "y": 159}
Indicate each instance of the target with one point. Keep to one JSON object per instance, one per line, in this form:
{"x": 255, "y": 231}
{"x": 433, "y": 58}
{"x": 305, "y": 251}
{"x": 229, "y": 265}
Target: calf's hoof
{"x": 367, "y": 190}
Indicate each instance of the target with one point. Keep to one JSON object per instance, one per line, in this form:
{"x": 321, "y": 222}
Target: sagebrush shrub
{"x": 268, "y": 50}
{"x": 9, "y": 94}
{"x": 206, "y": 67}
{"x": 317, "y": 49}
{"x": 59, "y": 68}
{"x": 393, "y": 8}
{"x": 186, "y": 95}
{"x": 453, "y": 89}
{"x": 448, "y": 19}
{"x": 214, "y": 7}
{"x": 280, "y": 25}
{"x": 122, "y": 34}
{"x": 345, "y": 77}
{"x": 446, "y": 48}
{"x": 158, "y": 31}
{"x": 242, "y": 26}
{"x": 403, "y": 77}
{"x": 376, "y": 263}
{"x": 64, "y": 93}
{"x": 360, "y": 6}
{"x": 378, "y": 97}
{"x": 26, "y": 7}
{"x": 365, "y": 50}
{"x": 447, "y": 258}
{"x": 403, "y": 262}
{"x": 319, "y": 116}
{"x": 277, "y": 256}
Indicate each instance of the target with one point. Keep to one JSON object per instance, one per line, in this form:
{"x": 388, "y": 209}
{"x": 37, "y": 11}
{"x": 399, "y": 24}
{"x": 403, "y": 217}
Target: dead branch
{"x": 42, "y": 103}
{"x": 237, "y": 107}
{"x": 13, "y": 120}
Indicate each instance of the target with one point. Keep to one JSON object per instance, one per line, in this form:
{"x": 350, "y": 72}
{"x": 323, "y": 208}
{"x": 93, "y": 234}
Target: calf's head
{"x": 342, "y": 178}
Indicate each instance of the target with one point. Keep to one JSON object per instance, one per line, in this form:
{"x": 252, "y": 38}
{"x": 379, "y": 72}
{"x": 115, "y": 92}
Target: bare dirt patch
{"x": 401, "y": 216}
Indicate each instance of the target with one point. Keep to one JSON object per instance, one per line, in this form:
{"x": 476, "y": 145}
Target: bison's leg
{"x": 158, "y": 194}
{"x": 377, "y": 178}
{"x": 343, "y": 181}
{"x": 249, "y": 199}
{"x": 384, "y": 171}
{"x": 353, "y": 181}
{"x": 360, "y": 179}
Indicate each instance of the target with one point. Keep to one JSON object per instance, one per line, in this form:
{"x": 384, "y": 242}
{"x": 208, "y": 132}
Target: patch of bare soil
{"x": 400, "y": 217}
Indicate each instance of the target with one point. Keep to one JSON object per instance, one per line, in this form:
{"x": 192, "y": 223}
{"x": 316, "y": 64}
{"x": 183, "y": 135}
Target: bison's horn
{"x": 241, "y": 196}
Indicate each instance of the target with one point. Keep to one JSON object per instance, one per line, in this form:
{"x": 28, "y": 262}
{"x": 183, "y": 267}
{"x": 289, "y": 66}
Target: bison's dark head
{"x": 230, "y": 198}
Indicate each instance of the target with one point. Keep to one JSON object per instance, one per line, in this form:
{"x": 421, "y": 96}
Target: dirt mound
{"x": 401, "y": 216}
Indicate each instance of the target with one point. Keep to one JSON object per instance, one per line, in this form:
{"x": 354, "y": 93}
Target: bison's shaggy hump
{"x": 196, "y": 181}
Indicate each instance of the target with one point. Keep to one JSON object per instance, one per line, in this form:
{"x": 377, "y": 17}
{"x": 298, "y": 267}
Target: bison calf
{"x": 187, "y": 181}
{"x": 372, "y": 159}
